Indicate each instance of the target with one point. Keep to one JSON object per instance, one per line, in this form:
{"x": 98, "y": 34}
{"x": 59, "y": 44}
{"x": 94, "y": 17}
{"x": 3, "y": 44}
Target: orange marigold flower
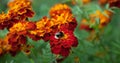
{"x": 104, "y": 17}
{"x": 20, "y": 8}
{"x": 58, "y": 9}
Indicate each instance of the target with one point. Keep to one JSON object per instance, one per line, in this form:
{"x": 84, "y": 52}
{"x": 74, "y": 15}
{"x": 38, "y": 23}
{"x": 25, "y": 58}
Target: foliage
{"x": 103, "y": 46}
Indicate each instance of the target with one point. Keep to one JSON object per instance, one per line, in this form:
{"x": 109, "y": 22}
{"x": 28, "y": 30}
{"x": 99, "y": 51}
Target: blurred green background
{"x": 107, "y": 50}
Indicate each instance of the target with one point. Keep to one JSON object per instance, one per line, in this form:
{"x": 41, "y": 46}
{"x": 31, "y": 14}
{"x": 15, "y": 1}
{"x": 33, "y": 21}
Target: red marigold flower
{"x": 62, "y": 40}
{"x": 62, "y": 14}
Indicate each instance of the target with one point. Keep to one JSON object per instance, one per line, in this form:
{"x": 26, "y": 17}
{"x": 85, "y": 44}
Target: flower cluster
{"x": 58, "y": 28}
{"x": 15, "y": 21}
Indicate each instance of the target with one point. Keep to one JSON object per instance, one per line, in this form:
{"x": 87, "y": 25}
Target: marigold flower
{"x": 62, "y": 40}
{"x": 104, "y": 17}
{"x": 21, "y": 8}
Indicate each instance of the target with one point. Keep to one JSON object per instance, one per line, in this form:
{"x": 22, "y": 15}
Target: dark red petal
{"x": 29, "y": 13}
{"x": 65, "y": 51}
{"x": 56, "y": 49}
{"x": 46, "y": 37}
{"x": 22, "y": 39}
